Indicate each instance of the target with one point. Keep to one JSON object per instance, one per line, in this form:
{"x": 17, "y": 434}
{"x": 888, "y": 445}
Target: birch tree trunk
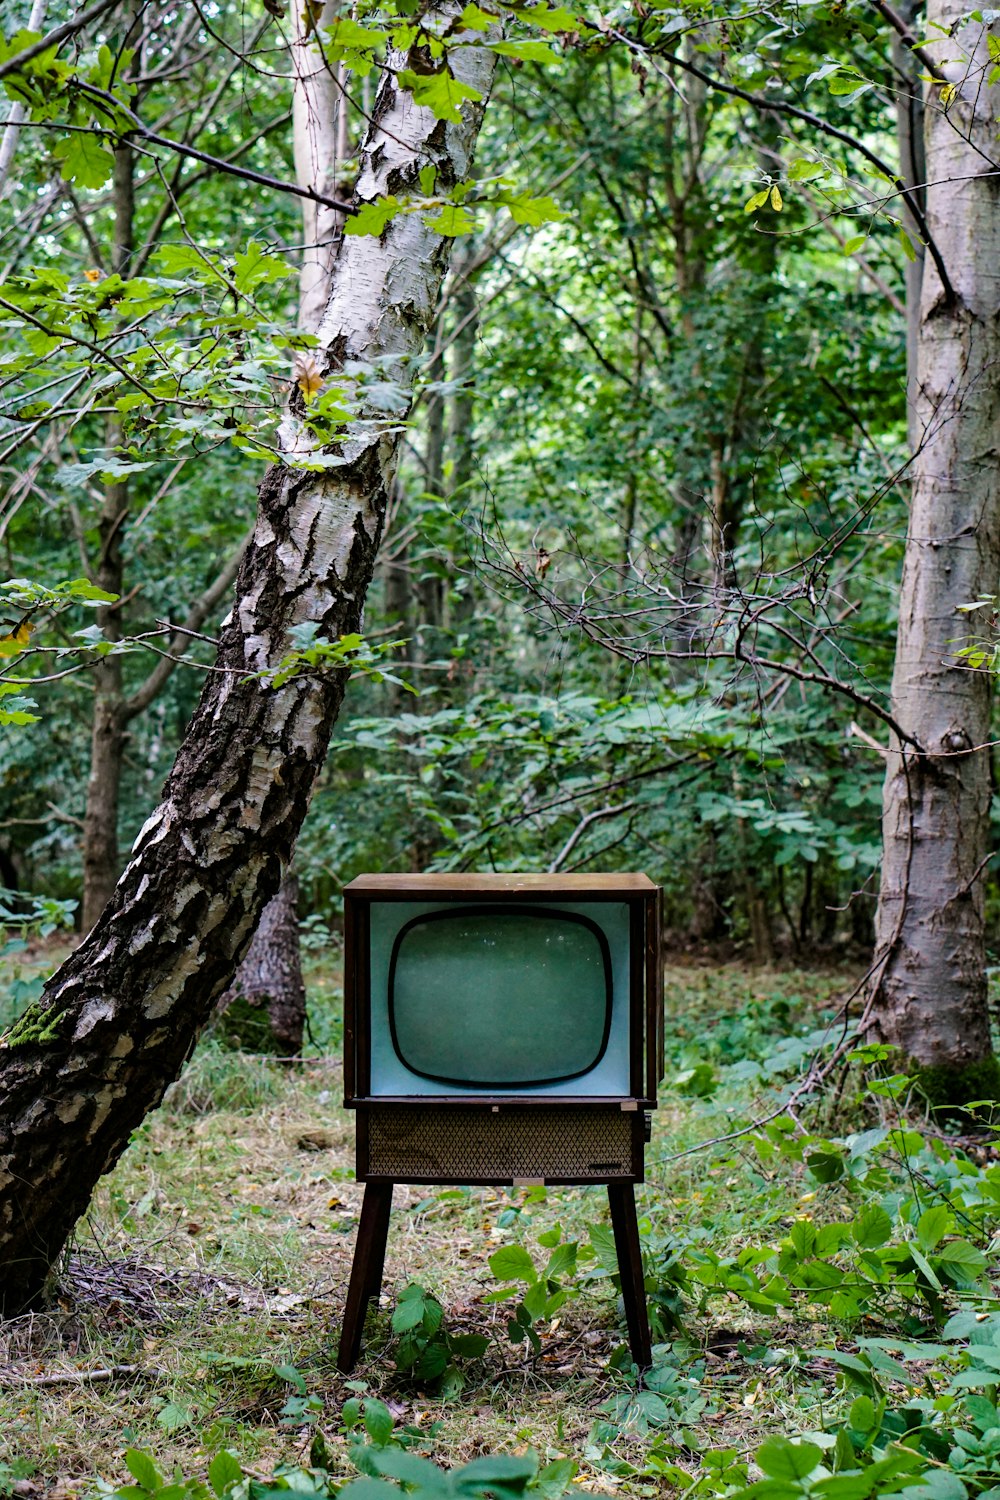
{"x": 319, "y": 141}
{"x": 265, "y": 1007}
{"x": 930, "y": 980}
{"x": 84, "y": 1065}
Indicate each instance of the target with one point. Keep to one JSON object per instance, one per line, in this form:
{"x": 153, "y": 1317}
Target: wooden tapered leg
{"x": 366, "y": 1272}
{"x": 621, "y": 1197}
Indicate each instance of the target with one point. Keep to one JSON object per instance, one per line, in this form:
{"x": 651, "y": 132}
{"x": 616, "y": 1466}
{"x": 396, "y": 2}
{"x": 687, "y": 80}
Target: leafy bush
{"x": 426, "y": 1349}
{"x": 386, "y": 1465}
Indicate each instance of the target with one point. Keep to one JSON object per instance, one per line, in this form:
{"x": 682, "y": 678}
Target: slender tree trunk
{"x": 86, "y": 1063}
{"x": 319, "y": 141}
{"x": 101, "y": 862}
{"x": 430, "y": 583}
{"x": 913, "y": 170}
{"x": 264, "y": 1009}
{"x": 930, "y": 983}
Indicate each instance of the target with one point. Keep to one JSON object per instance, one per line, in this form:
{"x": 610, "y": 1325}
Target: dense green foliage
{"x": 658, "y": 448}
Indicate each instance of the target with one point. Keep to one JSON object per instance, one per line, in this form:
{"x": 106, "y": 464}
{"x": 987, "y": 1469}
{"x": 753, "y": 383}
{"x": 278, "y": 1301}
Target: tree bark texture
{"x": 107, "y": 741}
{"x": 913, "y": 170}
{"x": 84, "y": 1065}
{"x": 264, "y": 1009}
{"x": 319, "y": 138}
{"x": 930, "y": 980}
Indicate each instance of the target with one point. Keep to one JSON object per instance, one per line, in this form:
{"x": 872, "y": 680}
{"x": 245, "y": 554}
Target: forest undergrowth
{"x": 822, "y": 1290}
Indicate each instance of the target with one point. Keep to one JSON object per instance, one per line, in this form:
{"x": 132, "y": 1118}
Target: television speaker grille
{"x": 479, "y": 1144}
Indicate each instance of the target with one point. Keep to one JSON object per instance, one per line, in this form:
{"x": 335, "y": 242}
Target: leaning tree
{"x": 113, "y": 1026}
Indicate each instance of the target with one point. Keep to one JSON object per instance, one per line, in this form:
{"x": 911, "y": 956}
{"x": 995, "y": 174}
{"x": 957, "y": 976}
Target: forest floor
{"x": 200, "y": 1306}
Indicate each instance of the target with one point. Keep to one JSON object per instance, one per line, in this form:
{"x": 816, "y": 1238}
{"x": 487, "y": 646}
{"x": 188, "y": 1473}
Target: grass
{"x": 210, "y": 1273}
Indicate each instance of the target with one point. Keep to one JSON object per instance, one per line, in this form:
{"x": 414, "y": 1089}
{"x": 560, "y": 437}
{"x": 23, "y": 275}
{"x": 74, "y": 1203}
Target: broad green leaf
{"x": 224, "y": 1472}
{"x": 377, "y": 1421}
{"x": 441, "y": 93}
{"x": 961, "y": 1257}
{"x": 524, "y": 209}
{"x": 84, "y": 160}
{"x": 346, "y": 32}
{"x": 528, "y": 50}
{"x": 755, "y": 201}
{"x": 172, "y": 1416}
{"x": 781, "y": 1459}
{"x": 371, "y": 218}
{"x": 535, "y": 1299}
{"x": 514, "y": 1470}
{"x": 451, "y": 220}
{"x": 932, "y": 1226}
{"x": 872, "y": 1227}
{"x": 512, "y": 1263}
{"x": 803, "y": 170}
{"x": 256, "y": 266}
{"x": 554, "y": 18}
{"x": 474, "y": 18}
{"x": 143, "y": 1469}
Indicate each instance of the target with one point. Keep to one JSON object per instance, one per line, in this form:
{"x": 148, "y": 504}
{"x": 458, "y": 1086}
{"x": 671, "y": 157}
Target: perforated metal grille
{"x": 427, "y": 1144}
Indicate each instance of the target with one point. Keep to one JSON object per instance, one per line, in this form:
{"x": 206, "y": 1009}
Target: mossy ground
{"x": 219, "y": 1250}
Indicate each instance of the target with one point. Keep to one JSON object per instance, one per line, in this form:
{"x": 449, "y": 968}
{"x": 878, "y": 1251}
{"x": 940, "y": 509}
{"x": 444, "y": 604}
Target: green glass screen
{"x": 508, "y": 997}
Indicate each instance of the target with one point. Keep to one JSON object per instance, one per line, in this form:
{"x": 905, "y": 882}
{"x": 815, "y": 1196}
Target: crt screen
{"x": 504, "y": 997}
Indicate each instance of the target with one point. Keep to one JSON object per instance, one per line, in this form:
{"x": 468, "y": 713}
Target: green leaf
{"x": 872, "y": 1227}
{"x": 963, "y": 1257}
{"x": 528, "y": 50}
{"x": 854, "y": 243}
{"x": 512, "y": 1263}
{"x": 909, "y": 250}
{"x": 378, "y": 1421}
{"x": 256, "y": 266}
{"x": 755, "y": 201}
{"x": 513, "y": 1470}
{"x": 562, "y": 1261}
{"x": 172, "y": 1416}
{"x": 373, "y": 1489}
{"x": 862, "y": 1414}
{"x": 524, "y": 209}
{"x": 921, "y": 1263}
{"x": 451, "y": 220}
{"x": 803, "y": 170}
{"x": 473, "y": 18}
{"x": 142, "y": 1468}
{"x": 932, "y": 1226}
{"x": 468, "y": 1345}
{"x": 825, "y": 1165}
{"x": 554, "y": 18}
{"x": 781, "y": 1459}
{"x": 441, "y": 93}
{"x": 408, "y": 1467}
{"x": 84, "y": 160}
{"x": 371, "y": 218}
{"x": 535, "y": 1299}
{"x": 347, "y": 33}
{"x": 294, "y": 1377}
{"x": 803, "y": 1238}
{"x": 224, "y": 1472}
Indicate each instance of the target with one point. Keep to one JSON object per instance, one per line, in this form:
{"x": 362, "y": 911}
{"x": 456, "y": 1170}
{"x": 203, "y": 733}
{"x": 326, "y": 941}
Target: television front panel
{"x": 502, "y": 987}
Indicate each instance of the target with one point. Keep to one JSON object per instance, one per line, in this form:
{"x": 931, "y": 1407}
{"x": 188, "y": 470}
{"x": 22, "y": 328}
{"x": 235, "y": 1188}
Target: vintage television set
{"x": 500, "y": 1030}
